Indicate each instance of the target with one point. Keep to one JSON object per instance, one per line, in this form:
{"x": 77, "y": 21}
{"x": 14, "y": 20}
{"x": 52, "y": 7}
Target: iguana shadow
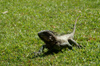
{"x": 46, "y": 54}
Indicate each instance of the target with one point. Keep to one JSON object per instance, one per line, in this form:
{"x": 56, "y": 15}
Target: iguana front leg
{"x": 40, "y": 51}
{"x": 64, "y": 45}
{"x": 72, "y": 41}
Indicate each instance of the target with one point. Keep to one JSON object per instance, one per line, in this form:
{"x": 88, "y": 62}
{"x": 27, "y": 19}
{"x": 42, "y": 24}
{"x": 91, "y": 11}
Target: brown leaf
{"x": 52, "y": 26}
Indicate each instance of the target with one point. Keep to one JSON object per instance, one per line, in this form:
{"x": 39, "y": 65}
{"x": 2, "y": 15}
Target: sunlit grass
{"x": 20, "y": 21}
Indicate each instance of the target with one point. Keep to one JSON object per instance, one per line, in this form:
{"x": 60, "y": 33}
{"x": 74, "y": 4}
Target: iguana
{"x": 56, "y": 43}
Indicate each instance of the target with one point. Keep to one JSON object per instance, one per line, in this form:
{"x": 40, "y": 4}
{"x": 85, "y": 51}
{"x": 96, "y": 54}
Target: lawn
{"x": 21, "y": 20}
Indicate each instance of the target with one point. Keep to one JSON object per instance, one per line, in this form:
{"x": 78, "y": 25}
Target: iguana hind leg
{"x": 73, "y": 42}
{"x": 64, "y": 45}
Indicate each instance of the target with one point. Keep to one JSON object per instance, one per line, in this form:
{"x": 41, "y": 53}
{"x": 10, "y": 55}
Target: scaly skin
{"x": 56, "y": 43}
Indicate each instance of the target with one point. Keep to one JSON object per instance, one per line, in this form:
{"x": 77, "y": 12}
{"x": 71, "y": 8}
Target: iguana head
{"x": 47, "y": 36}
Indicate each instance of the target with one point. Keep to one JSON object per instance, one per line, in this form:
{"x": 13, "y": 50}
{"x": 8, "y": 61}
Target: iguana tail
{"x": 75, "y": 26}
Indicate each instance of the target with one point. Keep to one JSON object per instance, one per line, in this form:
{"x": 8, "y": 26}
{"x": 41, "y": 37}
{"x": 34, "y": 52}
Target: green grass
{"x": 25, "y": 18}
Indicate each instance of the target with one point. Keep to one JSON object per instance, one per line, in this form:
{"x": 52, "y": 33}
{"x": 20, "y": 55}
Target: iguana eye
{"x": 50, "y": 37}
